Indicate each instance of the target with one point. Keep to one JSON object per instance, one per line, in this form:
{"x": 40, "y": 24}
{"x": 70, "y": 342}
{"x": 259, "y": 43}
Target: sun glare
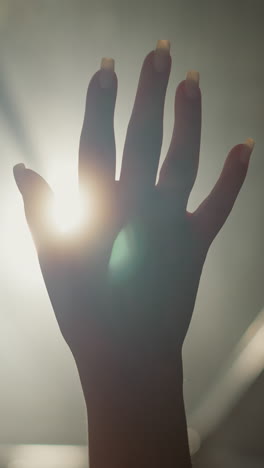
{"x": 68, "y": 209}
{"x": 67, "y": 215}
{"x": 67, "y": 212}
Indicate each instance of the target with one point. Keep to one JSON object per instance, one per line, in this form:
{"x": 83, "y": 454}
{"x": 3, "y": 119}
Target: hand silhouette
{"x": 125, "y": 319}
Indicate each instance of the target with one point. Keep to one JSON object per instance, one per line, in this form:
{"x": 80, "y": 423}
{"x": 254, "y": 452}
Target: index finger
{"x": 145, "y": 130}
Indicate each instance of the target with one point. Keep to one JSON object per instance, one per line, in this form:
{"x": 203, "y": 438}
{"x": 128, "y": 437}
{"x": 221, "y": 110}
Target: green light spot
{"x": 127, "y": 253}
{"x": 121, "y": 252}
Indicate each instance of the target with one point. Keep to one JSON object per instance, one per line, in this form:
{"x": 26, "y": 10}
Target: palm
{"x": 136, "y": 311}
{"x": 134, "y": 297}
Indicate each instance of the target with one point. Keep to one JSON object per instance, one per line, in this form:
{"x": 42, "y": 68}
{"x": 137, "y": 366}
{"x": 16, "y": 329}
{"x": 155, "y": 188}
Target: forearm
{"x": 140, "y": 428}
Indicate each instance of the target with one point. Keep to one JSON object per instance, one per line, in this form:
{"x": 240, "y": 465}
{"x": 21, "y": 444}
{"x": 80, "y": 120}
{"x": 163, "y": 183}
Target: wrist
{"x": 138, "y": 423}
{"x": 130, "y": 437}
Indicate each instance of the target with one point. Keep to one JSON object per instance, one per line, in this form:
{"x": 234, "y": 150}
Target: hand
{"x": 125, "y": 324}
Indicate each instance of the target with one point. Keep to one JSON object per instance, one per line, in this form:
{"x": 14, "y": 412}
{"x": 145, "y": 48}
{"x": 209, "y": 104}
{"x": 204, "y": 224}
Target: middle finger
{"x": 145, "y": 129}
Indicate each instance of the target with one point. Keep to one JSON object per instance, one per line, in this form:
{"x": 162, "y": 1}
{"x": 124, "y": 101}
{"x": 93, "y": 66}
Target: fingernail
{"x": 107, "y": 72}
{"x": 161, "y": 56}
{"x": 18, "y": 171}
{"x": 192, "y": 83}
{"x": 247, "y": 150}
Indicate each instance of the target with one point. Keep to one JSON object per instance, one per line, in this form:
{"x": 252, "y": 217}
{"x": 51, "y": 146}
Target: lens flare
{"x": 67, "y": 212}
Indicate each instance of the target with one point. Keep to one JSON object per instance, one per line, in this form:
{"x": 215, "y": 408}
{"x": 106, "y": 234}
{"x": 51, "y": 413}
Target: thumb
{"x": 38, "y": 197}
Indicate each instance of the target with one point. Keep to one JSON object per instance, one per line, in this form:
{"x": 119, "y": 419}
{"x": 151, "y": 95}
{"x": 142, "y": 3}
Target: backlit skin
{"x": 126, "y": 329}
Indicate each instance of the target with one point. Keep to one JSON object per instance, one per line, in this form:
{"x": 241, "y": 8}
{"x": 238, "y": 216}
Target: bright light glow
{"x": 18, "y": 255}
{"x": 67, "y": 213}
{"x": 68, "y": 209}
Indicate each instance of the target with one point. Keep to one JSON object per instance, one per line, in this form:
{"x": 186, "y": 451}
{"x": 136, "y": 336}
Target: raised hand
{"x": 125, "y": 322}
